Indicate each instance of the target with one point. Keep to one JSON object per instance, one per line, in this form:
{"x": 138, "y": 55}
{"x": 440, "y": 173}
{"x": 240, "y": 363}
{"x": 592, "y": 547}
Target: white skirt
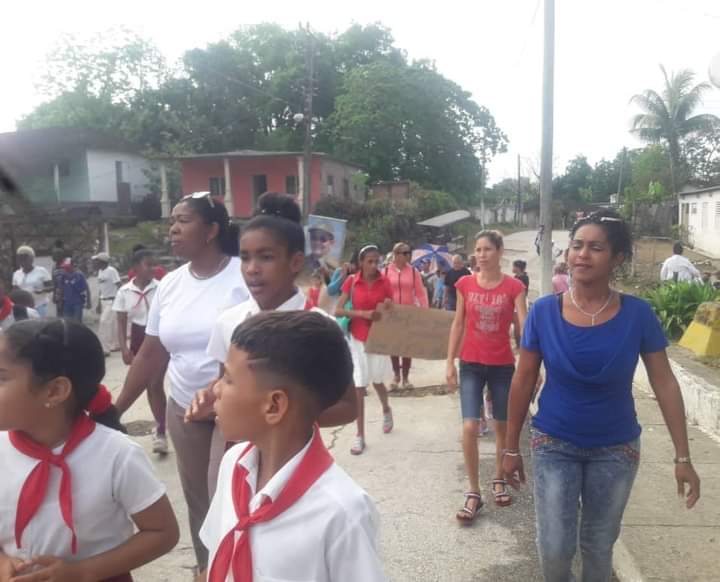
{"x": 368, "y": 368}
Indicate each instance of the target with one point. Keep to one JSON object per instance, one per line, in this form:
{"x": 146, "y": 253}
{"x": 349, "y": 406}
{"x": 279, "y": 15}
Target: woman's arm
{"x": 669, "y": 398}
{"x": 521, "y": 308}
{"x": 420, "y": 289}
{"x": 521, "y": 393}
{"x": 152, "y": 357}
{"x": 334, "y": 287}
{"x": 158, "y": 533}
{"x": 456, "y": 334}
{"x": 340, "y": 310}
{"x": 343, "y": 412}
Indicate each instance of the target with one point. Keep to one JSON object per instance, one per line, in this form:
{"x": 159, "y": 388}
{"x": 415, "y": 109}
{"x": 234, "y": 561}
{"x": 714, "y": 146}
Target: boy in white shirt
{"x": 108, "y": 284}
{"x": 131, "y": 306}
{"x": 309, "y": 519}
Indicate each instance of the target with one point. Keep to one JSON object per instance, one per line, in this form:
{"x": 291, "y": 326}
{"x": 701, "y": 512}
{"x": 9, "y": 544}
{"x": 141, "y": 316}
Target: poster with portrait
{"x": 325, "y": 241}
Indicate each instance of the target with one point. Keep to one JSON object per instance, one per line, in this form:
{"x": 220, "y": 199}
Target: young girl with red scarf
{"x": 74, "y": 488}
{"x": 283, "y": 510}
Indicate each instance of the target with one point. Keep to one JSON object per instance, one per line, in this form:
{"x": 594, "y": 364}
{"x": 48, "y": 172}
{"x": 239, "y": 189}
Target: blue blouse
{"x": 587, "y": 398}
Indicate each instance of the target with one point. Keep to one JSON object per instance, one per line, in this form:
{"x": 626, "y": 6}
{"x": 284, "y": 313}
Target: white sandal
{"x": 358, "y": 446}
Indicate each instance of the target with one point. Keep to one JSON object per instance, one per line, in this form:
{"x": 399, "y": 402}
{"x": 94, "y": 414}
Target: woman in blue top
{"x": 585, "y": 436}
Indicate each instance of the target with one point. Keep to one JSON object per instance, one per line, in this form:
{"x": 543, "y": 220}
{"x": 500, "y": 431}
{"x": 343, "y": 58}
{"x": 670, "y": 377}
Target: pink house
{"x": 242, "y": 176}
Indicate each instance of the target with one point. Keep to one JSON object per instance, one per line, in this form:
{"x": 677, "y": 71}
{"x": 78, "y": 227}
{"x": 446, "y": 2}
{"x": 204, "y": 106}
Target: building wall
{"x": 40, "y": 186}
{"x": 102, "y": 178}
{"x": 700, "y": 214}
{"x": 197, "y": 173}
{"x": 391, "y": 190}
{"x": 342, "y": 185}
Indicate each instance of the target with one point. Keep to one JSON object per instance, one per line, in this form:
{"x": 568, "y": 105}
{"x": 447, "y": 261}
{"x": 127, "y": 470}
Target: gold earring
{"x": 48, "y": 405}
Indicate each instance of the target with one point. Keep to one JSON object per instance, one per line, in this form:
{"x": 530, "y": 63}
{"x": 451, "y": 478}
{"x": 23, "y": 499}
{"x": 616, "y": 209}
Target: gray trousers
{"x": 199, "y": 448}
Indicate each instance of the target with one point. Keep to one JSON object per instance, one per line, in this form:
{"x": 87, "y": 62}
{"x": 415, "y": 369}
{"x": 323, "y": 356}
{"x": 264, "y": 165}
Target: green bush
{"x": 675, "y": 304}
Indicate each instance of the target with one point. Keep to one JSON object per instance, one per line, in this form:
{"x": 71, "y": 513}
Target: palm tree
{"x": 668, "y": 118}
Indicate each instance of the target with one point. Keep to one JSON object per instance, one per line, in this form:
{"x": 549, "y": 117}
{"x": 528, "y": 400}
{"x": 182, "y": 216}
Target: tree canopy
{"x": 371, "y": 105}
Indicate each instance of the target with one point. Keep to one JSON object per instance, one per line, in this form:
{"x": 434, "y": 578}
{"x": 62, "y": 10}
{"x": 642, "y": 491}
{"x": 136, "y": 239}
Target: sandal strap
{"x": 499, "y": 482}
{"x": 473, "y": 495}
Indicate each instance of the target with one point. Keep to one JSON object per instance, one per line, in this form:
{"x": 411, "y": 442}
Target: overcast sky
{"x": 606, "y": 51}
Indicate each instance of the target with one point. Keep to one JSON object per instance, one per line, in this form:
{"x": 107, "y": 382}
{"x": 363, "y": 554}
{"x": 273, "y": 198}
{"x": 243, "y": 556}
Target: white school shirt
{"x": 225, "y": 325}
{"x": 108, "y": 278}
{"x": 112, "y": 479}
{"x": 685, "y": 270}
{"x": 328, "y": 535}
{"x": 135, "y": 302}
{"x": 182, "y": 315}
{"x": 33, "y": 282}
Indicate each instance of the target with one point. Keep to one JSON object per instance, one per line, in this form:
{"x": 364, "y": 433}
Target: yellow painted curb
{"x": 702, "y": 337}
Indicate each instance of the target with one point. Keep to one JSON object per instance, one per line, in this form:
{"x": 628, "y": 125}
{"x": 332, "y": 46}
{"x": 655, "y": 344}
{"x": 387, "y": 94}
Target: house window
{"x": 331, "y": 185}
{"x": 217, "y": 186}
{"x": 346, "y": 188}
{"x": 291, "y": 184}
{"x": 704, "y": 217}
{"x": 693, "y": 208}
{"x": 259, "y": 185}
{"x": 717, "y": 215}
{"x": 63, "y": 168}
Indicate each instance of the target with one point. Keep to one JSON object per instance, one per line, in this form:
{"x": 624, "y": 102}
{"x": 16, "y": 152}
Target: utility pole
{"x": 308, "y": 113}
{"x": 620, "y": 176}
{"x": 518, "y": 207}
{"x": 546, "y": 258}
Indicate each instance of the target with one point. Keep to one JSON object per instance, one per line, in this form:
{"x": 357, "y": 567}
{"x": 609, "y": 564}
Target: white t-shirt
{"x": 134, "y": 301}
{"x": 112, "y": 479}
{"x": 33, "y": 282}
{"x": 229, "y": 319}
{"x": 329, "y": 534}
{"x": 182, "y": 314}
{"x": 108, "y": 278}
{"x": 685, "y": 270}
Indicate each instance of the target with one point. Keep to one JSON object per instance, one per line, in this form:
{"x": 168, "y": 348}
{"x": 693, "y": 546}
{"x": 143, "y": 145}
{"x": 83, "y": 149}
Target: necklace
{"x": 592, "y": 316}
{"x": 223, "y": 263}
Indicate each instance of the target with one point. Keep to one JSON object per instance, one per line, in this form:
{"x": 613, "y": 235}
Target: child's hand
{"x": 201, "y": 408}
{"x": 50, "y": 569}
{"x": 8, "y": 567}
{"x": 127, "y": 357}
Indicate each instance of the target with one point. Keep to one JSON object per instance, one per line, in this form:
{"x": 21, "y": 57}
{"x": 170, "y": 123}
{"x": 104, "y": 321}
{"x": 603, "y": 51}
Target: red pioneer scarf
{"x": 143, "y": 296}
{"x": 238, "y": 556}
{"x": 6, "y": 308}
{"x": 35, "y": 487}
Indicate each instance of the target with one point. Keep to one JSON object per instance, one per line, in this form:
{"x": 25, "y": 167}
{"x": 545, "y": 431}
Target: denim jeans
{"x": 599, "y": 480}
{"x": 73, "y": 312}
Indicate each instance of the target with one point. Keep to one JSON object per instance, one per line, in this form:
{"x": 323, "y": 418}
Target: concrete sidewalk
{"x": 661, "y": 541}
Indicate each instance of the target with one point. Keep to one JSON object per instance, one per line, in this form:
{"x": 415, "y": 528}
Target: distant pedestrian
{"x": 367, "y": 291}
{"x": 519, "y": 268}
{"x": 108, "y": 285}
{"x": 679, "y": 268}
{"x": 131, "y": 307}
{"x": 158, "y": 271}
{"x": 33, "y": 279}
{"x": 480, "y": 335}
{"x": 75, "y": 291}
{"x": 561, "y": 279}
{"x": 317, "y": 283}
{"x": 458, "y": 271}
{"x": 539, "y": 238}
{"x": 408, "y": 289}
{"x": 585, "y": 435}
{"x": 23, "y": 304}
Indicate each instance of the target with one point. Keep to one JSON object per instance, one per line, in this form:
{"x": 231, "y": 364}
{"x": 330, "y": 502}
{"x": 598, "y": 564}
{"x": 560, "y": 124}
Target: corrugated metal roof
{"x": 447, "y": 219}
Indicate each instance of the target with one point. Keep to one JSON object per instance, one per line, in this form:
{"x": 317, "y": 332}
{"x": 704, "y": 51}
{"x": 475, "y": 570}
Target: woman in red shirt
{"x": 486, "y": 302}
{"x": 408, "y": 289}
{"x": 367, "y": 290}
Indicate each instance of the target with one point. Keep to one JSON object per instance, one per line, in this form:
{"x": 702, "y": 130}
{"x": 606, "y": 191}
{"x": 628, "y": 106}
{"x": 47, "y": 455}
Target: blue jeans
{"x": 73, "y": 312}
{"x": 473, "y": 378}
{"x": 600, "y": 480}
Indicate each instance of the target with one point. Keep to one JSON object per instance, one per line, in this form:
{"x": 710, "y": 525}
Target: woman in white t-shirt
{"x": 182, "y": 313}
{"x": 272, "y": 249}
{"x": 34, "y": 279}
{"x": 74, "y": 488}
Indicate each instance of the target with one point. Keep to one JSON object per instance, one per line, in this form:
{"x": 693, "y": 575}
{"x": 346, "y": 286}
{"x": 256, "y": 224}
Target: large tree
{"x": 667, "y": 117}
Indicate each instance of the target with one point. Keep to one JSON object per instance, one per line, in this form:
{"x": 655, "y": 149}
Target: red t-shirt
{"x": 313, "y": 297}
{"x": 365, "y": 297}
{"x": 488, "y": 315}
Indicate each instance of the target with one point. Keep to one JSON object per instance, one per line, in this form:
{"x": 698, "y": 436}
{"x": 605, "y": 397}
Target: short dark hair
{"x": 280, "y": 214}
{"x": 140, "y": 255}
{"x": 520, "y": 264}
{"x": 616, "y": 230}
{"x": 678, "y": 248}
{"x": 22, "y": 298}
{"x": 212, "y": 211}
{"x": 305, "y": 346}
{"x": 494, "y": 236}
{"x": 67, "y": 348}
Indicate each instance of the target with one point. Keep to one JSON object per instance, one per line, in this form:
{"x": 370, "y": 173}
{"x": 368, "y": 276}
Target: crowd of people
{"x": 246, "y": 351}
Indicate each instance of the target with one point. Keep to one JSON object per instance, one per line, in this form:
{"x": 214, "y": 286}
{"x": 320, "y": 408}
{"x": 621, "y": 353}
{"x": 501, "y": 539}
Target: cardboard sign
{"x": 412, "y": 332}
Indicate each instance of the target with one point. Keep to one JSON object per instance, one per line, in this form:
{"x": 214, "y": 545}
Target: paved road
{"x": 416, "y": 477}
